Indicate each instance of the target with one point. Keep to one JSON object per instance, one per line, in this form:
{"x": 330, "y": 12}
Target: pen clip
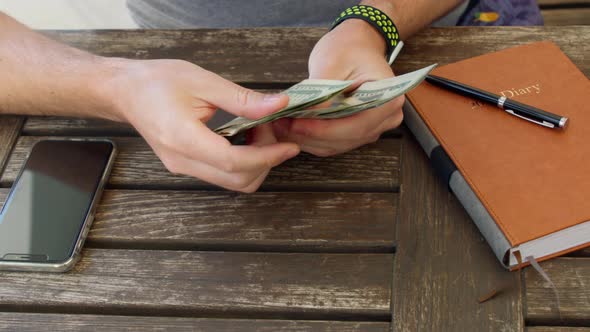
{"x": 395, "y": 52}
{"x": 542, "y": 123}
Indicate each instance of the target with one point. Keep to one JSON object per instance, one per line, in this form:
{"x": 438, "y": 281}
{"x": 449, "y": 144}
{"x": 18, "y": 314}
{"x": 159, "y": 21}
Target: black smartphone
{"x": 49, "y": 210}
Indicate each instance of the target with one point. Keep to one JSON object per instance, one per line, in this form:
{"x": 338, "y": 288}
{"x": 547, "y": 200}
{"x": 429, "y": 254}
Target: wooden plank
{"x": 280, "y": 55}
{"x": 209, "y": 284}
{"x": 435, "y": 45}
{"x": 10, "y": 127}
{"x": 569, "y": 16}
{"x": 65, "y": 126}
{"x": 580, "y": 253}
{"x": 443, "y": 265}
{"x": 246, "y": 55}
{"x": 447, "y": 45}
{"x": 571, "y": 277}
{"x": 334, "y": 222}
{"x": 100, "y": 323}
{"x": 557, "y": 329}
{"x": 372, "y": 168}
{"x": 563, "y": 3}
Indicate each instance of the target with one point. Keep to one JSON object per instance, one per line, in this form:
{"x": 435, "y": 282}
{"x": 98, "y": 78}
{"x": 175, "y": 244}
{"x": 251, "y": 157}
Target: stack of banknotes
{"x": 309, "y": 93}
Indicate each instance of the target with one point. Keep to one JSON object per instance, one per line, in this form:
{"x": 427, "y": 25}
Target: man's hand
{"x": 352, "y": 51}
{"x": 168, "y": 102}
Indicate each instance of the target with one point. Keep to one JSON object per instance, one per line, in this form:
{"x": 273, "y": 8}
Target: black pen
{"x": 515, "y": 108}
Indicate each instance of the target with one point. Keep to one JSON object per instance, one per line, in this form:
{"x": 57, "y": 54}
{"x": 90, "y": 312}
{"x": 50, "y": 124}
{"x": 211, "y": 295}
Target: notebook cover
{"x": 532, "y": 180}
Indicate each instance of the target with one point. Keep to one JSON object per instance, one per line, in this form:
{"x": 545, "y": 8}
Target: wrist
{"x": 358, "y": 31}
{"x": 378, "y": 21}
{"x": 109, "y": 86}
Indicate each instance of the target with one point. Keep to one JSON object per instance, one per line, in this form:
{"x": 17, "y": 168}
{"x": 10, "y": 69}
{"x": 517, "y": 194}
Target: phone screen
{"x": 47, "y": 207}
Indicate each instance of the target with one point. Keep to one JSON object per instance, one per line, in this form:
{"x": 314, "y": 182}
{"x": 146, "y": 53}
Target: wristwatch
{"x": 378, "y": 20}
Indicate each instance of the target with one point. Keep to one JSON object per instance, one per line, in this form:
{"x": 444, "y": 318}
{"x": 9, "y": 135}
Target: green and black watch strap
{"x": 380, "y": 21}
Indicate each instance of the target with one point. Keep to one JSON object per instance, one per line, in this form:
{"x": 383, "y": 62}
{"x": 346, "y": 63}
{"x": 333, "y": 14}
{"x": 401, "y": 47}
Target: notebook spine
{"x": 447, "y": 171}
{"x": 442, "y": 164}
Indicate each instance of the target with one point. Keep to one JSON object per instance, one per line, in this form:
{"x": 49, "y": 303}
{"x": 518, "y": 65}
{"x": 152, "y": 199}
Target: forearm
{"x": 43, "y": 77}
{"x": 410, "y": 16}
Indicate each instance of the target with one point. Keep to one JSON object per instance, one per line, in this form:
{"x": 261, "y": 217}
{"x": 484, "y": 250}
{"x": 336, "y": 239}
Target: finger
{"x": 329, "y": 148}
{"x": 256, "y": 183}
{"x": 355, "y": 127}
{"x": 325, "y": 148}
{"x": 241, "y": 101}
{"x": 198, "y": 142}
{"x": 244, "y": 182}
{"x": 262, "y": 135}
{"x": 392, "y": 122}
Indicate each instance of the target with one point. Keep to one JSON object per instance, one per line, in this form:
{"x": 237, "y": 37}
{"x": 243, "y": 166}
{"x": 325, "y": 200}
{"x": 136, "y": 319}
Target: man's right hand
{"x": 169, "y": 101}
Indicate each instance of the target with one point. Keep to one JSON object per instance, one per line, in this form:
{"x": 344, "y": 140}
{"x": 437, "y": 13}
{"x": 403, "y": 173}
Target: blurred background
{"x": 113, "y": 14}
{"x": 70, "y": 14}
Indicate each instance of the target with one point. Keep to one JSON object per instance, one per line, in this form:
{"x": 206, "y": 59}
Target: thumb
{"x": 243, "y": 102}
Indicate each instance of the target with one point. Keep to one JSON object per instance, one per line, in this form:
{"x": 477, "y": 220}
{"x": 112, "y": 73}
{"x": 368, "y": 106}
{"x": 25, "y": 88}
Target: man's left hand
{"x": 352, "y": 51}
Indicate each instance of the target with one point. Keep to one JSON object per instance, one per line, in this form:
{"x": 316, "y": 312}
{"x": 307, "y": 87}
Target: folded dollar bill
{"x": 308, "y": 93}
{"x": 301, "y": 96}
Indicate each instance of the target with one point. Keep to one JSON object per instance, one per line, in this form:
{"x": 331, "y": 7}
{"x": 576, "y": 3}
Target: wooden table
{"x": 365, "y": 241}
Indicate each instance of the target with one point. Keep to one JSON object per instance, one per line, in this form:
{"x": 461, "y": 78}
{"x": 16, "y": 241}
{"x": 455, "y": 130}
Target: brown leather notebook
{"x": 527, "y": 187}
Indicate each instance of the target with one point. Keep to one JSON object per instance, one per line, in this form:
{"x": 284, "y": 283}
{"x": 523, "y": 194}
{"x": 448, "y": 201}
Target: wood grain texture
{"x": 100, "y": 323}
{"x": 447, "y": 45}
{"x": 262, "y": 62}
{"x": 583, "y": 252}
{"x": 10, "y": 127}
{"x": 334, "y": 222}
{"x": 372, "y": 168}
{"x": 557, "y": 329}
{"x": 210, "y": 284}
{"x": 571, "y": 277}
{"x": 65, "y": 126}
{"x": 275, "y": 56}
{"x": 264, "y": 55}
{"x": 262, "y": 221}
{"x": 443, "y": 265}
{"x": 563, "y": 3}
{"x": 568, "y": 16}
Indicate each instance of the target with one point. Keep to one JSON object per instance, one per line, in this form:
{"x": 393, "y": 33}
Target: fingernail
{"x": 292, "y": 152}
{"x": 271, "y": 99}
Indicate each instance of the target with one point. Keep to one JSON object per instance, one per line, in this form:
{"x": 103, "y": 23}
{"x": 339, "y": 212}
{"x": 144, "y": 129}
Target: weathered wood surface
{"x": 371, "y": 168}
{"x": 262, "y": 56}
{"x": 557, "y": 329}
{"x": 103, "y": 323}
{"x": 443, "y": 265}
{"x": 58, "y": 126}
{"x": 441, "y": 268}
{"x": 563, "y": 3}
{"x": 267, "y": 55}
{"x": 446, "y": 45}
{"x": 582, "y": 253}
{"x": 571, "y": 277}
{"x": 10, "y": 127}
{"x": 334, "y": 222}
{"x": 215, "y": 284}
{"x": 567, "y": 16}
{"x": 64, "y": 126}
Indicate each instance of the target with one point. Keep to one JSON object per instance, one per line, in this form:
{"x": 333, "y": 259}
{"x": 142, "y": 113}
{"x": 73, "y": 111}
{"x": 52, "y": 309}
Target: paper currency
{"x": 301, "y": 96}
{"x": 370, "y": 95}
{"x": 308, "y": 93}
